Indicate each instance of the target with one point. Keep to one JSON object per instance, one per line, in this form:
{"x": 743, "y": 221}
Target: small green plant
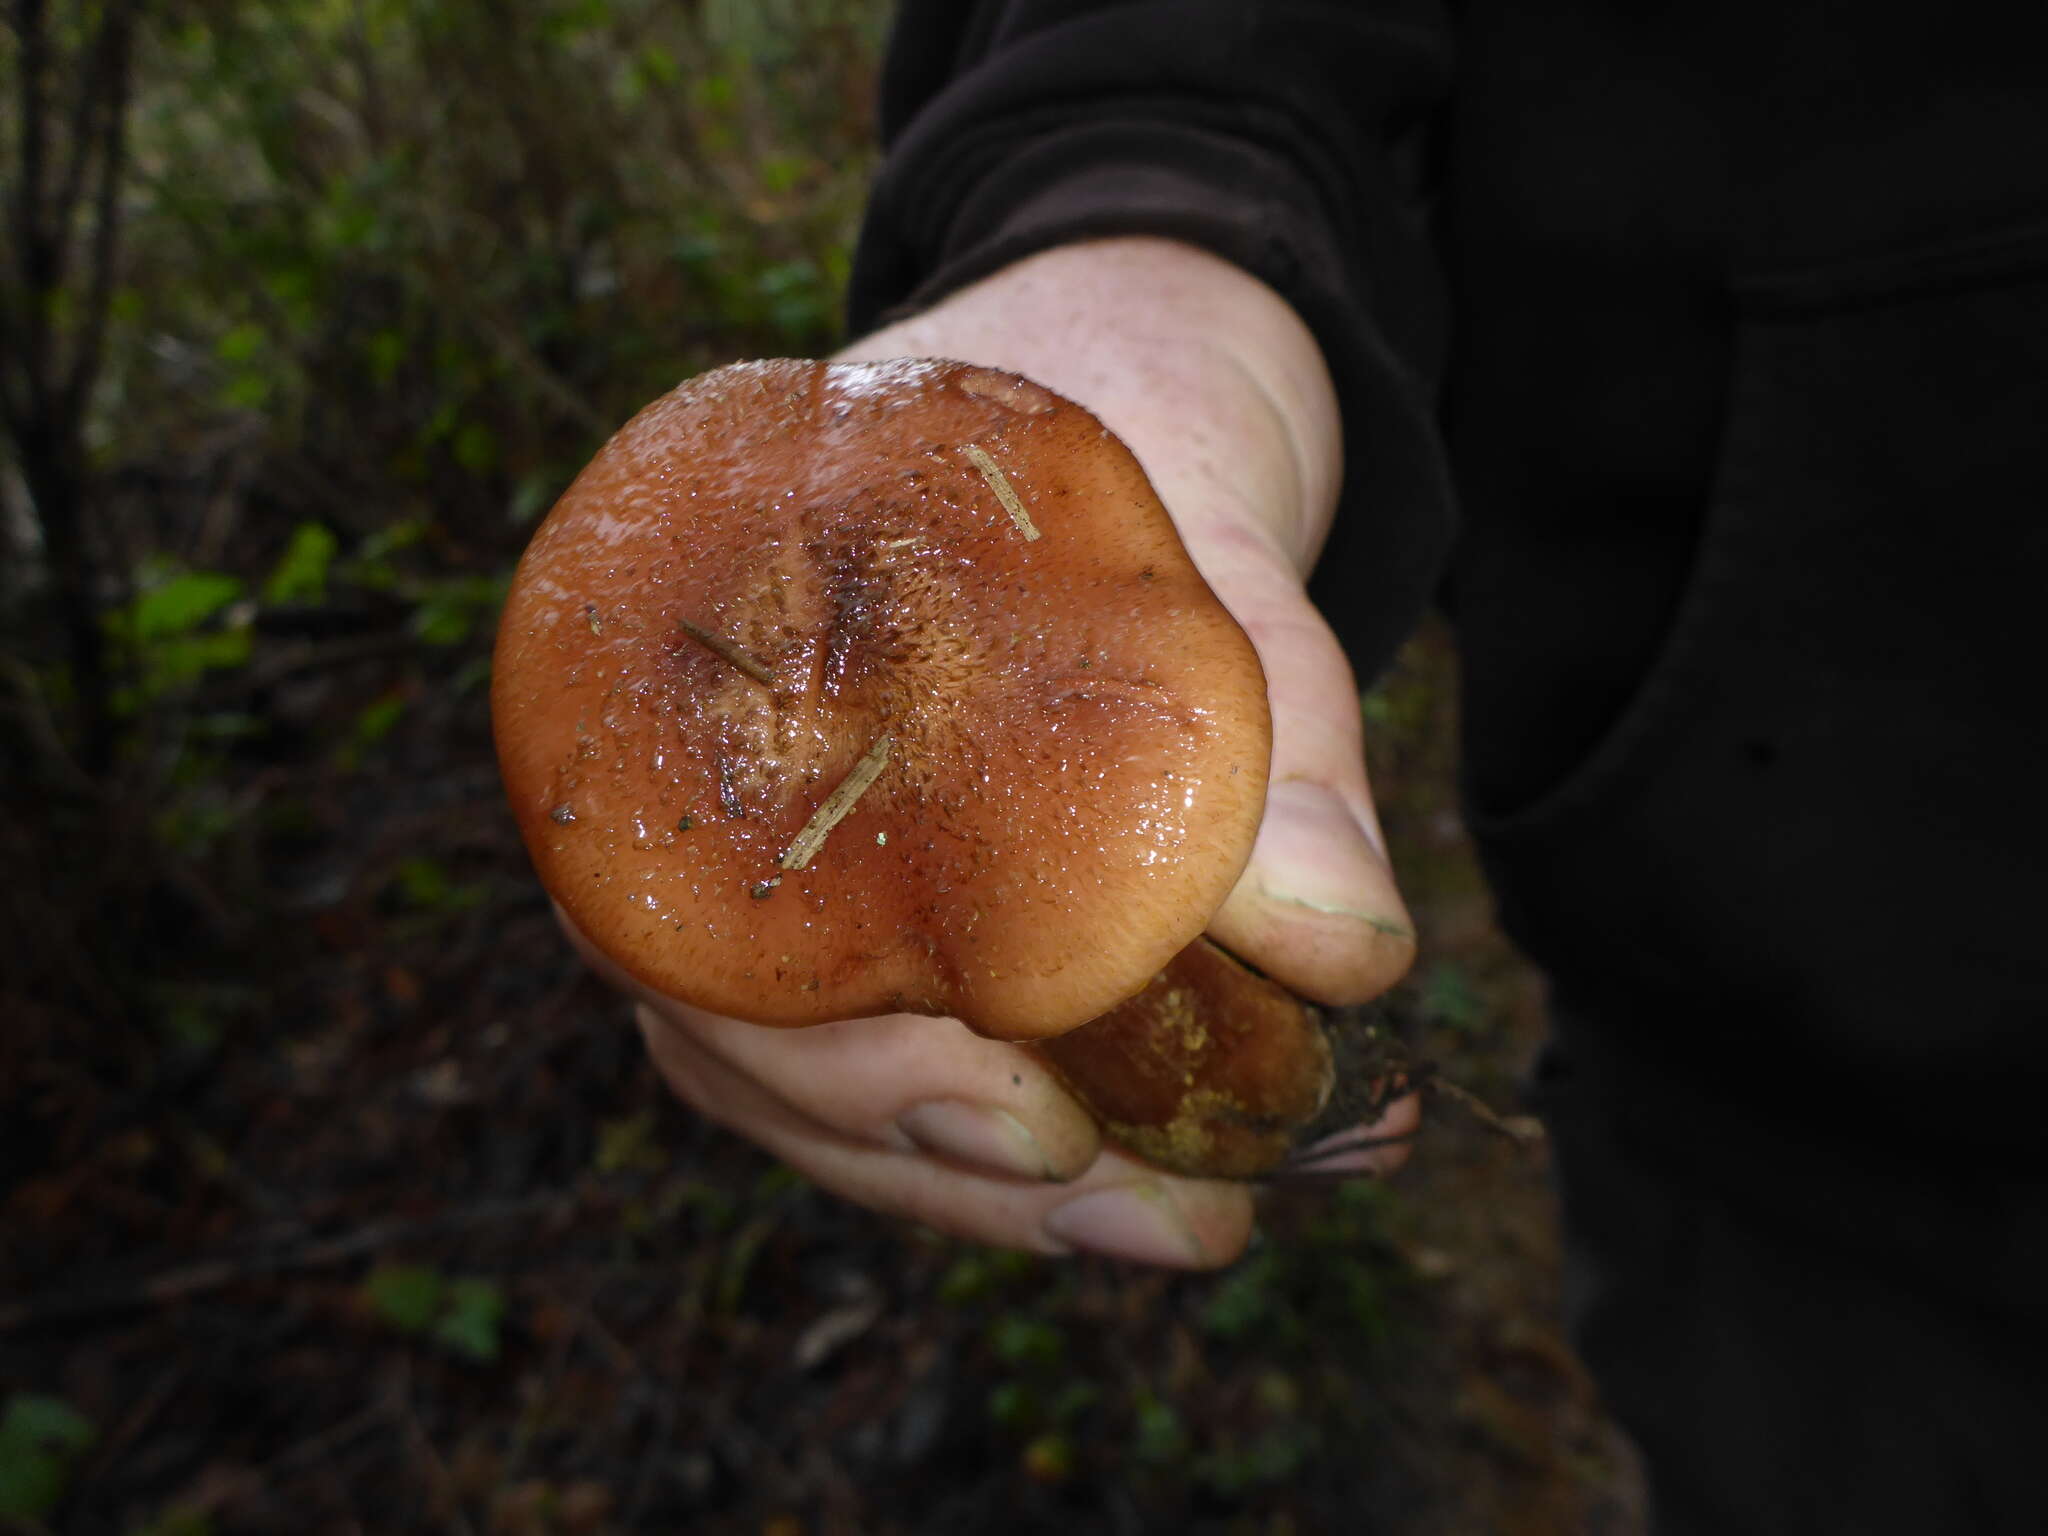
{"x": 629, "y": 1144}
{"x": 1158, "y": 1436}
{"x": 300, "y": 575}
{"x": 979, "y": 1273}
{"x": 1271, "y": 1456}
{"x": 424, "y": 885}
{"x": 463, "y": 1314}
{"x": 1452, "y": 1000}
{"x": 41, "y": 1440}
{"x": 1247, "y": 1300}
{"x": 180, "y": 626}
{"x": 1018, "y": 1338}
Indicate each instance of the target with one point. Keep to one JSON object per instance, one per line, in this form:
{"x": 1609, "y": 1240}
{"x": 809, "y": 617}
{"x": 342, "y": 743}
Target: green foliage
{"x": 628, "y": 1144}
{"x": 407, "y": 1296}
{"x": 1248, "y": 1298}
{"x": 1285, "y": 1297}
{"x": 41, "y": 1439}
{"x": 180, "y": 604}
{"x": 300, "y": 575}
{"x": 1159, "y": 1436}
{"x": 471, "y": 1318}
{"x": 1271, "y": 1456}
{"x": 1452, "y": 1000}
{"x": 447, "y": 612}
{"x": 1332, "y": 1284}
{"x": 424, "y": 884}
{"x": 462, "y": 1314}
{"x": 195, "y": 1018}
{"x": 180, "y": 626}
{"x": 357, "y": 216}
{"x": 1019, "y": 1338}
{"x": 979, "y": 1273}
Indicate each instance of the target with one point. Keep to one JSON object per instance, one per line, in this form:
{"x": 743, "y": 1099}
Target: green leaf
{"x": 240, "y": 345}
{"x": 49, "y": 1421}
{"x": 629, "y": 1143}
{"x": 1273, "y": 1457}
{"x": 449, "y": 610}
{"x": 713, "y": 93}
{"x": 978, "y": 1272}
{"x": 179, "y": 659}
{"x": 40, "y": 1438}
{"x": 470, "y": 1323}
{"x": 301, "y": 574}
{"x": 475, "y": 447}
{"x": 1013, "y": 1405}
{"x": 1247, "y": 1298}
{"x": 1160, "y": 1437}
{"x": 182, "y": 604}
{"x": 781, "y": 173}
{"x": 530, "y": 498}
{"x": 31, "y": 1481}
{"x": 423, "y": 883}
{"x": 386, "y": 352}
{"x": 407, "y": 1296}
{"x": 1451, "y": 1000}
{"x": 442, "y": 620}
{"x": 659, "y": 66}
{"x": 1074, "y": 1399}
{"x": 378, "y": 718}
{"x": 1017, "y": 1339}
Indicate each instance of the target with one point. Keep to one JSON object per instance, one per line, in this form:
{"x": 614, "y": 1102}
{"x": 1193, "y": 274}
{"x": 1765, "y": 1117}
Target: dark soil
{"x": 336, "y": 1198}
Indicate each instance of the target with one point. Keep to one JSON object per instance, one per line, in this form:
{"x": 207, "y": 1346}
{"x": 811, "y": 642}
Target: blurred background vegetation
{"x": 332, "y": 1196}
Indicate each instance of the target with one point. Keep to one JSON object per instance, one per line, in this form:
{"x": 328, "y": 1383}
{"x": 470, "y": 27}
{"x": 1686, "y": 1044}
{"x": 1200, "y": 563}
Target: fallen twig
{"x": 68, "y": 1303}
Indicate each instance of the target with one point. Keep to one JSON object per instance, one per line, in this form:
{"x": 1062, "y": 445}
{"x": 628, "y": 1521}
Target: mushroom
{"x": 831, "y": 690}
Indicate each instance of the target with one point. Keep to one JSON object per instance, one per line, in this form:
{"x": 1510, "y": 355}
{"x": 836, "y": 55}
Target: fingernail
{"x": 979, "y": 1134}
{"x": 1139, "y": 1222}
{"x": 1306, "y": 835}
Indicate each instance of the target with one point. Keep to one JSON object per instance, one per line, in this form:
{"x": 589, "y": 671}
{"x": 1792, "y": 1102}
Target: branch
{"x": 115, "y": 87}
{"x": 84, "y": 102}
{"x": 31, "y": 257}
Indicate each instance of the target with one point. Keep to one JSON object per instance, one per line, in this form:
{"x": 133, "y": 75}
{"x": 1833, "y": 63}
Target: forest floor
{"x": 380, "y": 1222}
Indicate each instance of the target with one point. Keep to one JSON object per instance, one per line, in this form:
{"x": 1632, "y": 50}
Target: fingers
{"x": 905, "y": 1082}
{"x": 1378, "y": 1148}
{"x": 1113, "y": 1206}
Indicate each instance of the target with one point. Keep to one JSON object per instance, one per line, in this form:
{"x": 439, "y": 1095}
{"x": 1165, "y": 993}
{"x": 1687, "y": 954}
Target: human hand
{"x": 1220, "y": 392}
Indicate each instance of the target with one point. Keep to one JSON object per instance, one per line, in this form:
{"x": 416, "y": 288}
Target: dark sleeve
{"x": 1284, "y": 137}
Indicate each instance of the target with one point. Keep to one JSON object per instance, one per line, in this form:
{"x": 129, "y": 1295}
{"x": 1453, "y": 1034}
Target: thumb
{"x": 1317, "y": 907}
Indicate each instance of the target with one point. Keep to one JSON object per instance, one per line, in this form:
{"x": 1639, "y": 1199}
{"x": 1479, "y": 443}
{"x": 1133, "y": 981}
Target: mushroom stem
{"x": 1211, "y": 1070}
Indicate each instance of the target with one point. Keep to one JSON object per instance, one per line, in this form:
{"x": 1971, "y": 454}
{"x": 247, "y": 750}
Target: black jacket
{"x": 1696, "y": 359}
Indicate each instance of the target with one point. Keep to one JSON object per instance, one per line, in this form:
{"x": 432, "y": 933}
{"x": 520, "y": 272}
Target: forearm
{"x": 1207, "y": 374}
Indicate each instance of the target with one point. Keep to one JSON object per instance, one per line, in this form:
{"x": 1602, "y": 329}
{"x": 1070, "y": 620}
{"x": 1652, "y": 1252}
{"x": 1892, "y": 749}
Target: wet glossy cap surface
{"x": 939, "y": 581}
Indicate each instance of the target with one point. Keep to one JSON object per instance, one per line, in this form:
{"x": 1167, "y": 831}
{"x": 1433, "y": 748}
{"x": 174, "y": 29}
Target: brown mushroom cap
{"x": 935, "y": 597}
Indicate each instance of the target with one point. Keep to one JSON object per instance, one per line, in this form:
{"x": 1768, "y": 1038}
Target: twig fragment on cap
{"x": 836, "y": 805}
{"x": 1005, "y": 492}
{"x": 725, "y": 650}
